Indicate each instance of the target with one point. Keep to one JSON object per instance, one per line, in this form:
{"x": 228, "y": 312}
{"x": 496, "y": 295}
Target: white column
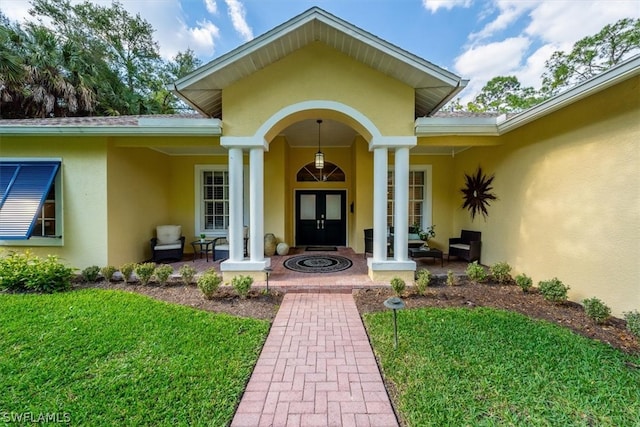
{"x": 401, "y": 204}
{"x": 256, "y": 200}
{"x": 380, "y": 168}
{"x": 235, "y": 205}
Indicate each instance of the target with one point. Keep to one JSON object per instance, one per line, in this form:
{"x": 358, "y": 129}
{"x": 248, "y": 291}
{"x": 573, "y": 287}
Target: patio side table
{"x": 201, "y": 247}
{"x": 427, "y": 253}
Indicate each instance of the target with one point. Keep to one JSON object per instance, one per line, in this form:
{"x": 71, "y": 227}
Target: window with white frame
{"x": 46, "y": 218}
{"x": 214, "y": 200}
{"x": 212, "y": 205}
{"x": 419, "y": 209}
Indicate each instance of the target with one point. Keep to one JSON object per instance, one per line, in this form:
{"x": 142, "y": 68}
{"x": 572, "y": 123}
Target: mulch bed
{"x": 508, "y": 297}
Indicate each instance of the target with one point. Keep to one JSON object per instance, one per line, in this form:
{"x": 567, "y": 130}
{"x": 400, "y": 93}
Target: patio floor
{"x": 343, "y": 281}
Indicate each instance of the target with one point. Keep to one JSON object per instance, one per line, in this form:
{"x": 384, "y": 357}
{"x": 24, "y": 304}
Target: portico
{"x": 319, "y": 67}
{"x": 380, "y": 266}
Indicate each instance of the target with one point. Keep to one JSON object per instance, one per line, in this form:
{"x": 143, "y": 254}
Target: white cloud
{"x": 565, "y": 22}
{"x": 212, "y": 6}
{"x": 434, "y": 5}
{"x": 482, "y": 63}
{"x": 485, "y": 60}
{"x": 16, "y": 10}
{"x": 201, "y": 39}
{"x": 529, "y": 73}
{"x": 237, "y": 15}
{"x": 550, "y": 25}
{"x": 509, "y": 12}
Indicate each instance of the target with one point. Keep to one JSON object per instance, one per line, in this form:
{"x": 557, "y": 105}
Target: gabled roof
{"x": 434, "y": 86}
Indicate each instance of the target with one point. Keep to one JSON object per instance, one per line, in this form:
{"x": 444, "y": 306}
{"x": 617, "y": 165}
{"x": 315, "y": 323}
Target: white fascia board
{"x": 609, "y": 78}
{"x": 239, "y": 52}
{"x": 192, "y": 127}
{"x": 438, "y": 126}
{"x": 387, "y": 48}
{"x": 326, "y": 18}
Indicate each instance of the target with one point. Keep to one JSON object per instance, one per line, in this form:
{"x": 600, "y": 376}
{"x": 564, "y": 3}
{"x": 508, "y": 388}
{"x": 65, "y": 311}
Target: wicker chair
{"x": 168, "y": 243}
{"x": 221, "y": 245}
{"x": 467, "y": 246}
{"x": 368, "y": 241}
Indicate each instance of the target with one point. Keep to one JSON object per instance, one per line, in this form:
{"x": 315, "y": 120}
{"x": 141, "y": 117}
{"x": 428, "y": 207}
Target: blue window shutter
{"x": 7, "y": 176}
{"x": 23, "y": 189}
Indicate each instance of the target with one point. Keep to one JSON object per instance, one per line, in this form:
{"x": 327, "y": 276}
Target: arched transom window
{"x": 330, "y": 173}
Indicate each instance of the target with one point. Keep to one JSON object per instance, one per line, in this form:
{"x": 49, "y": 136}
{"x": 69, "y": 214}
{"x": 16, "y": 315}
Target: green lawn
{"x": 115, "y": 358}
{"x": 491, "y": 367}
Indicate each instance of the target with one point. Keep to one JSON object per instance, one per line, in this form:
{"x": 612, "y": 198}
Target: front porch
{"x": 354, "y": 277}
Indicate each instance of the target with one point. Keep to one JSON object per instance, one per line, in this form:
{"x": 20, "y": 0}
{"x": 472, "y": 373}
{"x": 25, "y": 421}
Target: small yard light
{"x": 395, "y": 304}
{"x": 268, "y": 271}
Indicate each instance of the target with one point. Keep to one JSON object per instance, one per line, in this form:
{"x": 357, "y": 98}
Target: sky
{"x": 475, "y": 39}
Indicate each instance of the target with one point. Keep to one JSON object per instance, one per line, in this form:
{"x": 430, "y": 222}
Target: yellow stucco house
{"x": 567, "y": 172}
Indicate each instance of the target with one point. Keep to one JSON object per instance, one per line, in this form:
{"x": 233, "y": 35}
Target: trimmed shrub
{"x": 398, "y": 285}
{"x": 633, "y": 322}
{"x": 476, "y": 272}
{"x": 524, "y": 282}
{"x": 90, "y": 274}
{"x": 187, "y": 273}
{"x": 209, "y": 282}
{"x": 501, "y": 272}
{"x": 451, "y": 279}
{"x": 596, "y": 309}
{"x": 144, "y": 271}
{"x": 422, "y": 282}
{"x": 162, "y": 273}
{"x": 553, "y": 290}
{"x": 242, "y": 285}
{"x": 108, "y": 272}
{"x": 127, "y": 270}
{"x": 27, "y": 272}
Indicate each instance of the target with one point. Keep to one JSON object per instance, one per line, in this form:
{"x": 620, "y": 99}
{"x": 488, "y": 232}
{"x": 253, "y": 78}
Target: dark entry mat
{"x": 320, "y": 248}
{"x": 317, "y": 263}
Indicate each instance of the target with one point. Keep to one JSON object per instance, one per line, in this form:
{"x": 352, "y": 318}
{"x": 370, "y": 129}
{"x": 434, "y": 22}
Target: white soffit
{"x": 203, "y": 88}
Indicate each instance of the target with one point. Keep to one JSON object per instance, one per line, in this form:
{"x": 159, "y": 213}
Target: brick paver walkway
{"x": 316, "y": 369}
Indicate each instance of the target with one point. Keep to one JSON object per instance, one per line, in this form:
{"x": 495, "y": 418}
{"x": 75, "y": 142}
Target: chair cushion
{"x": 168, "y": 234}
{"x": 460, "y": 246}
{"x": 167, "y": 246}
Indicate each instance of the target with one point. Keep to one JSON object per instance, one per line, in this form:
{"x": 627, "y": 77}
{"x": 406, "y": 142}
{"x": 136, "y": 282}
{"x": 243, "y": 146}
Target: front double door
{"x": 321, "y": 218}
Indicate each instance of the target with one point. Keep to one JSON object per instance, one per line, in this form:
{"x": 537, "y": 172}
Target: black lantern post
{"x": 268, "y": 271}
{"x": 395, "y": 304}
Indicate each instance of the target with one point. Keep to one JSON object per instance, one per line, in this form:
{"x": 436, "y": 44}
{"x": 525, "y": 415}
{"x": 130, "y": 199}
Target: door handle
{"x": 322, "y": 222}
{"x": 318, "y": 225}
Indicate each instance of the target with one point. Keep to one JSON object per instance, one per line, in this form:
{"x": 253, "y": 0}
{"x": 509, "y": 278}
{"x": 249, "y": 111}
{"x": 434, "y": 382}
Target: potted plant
{"x": 202, "y": 237}
{"x": 426, "y": 234}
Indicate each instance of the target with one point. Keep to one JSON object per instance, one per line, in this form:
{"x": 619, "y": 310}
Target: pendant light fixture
{"x": 319, "y": 161}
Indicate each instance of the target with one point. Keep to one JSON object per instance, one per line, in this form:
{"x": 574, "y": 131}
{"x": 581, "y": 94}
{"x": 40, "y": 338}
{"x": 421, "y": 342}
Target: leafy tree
{"x": 591, "y": 56}
{"x": 85, "y": 59}
{"x": 504, "y": 95}
{"x": 39, "y": 74}
{"x": 180, "y": 65}
{"x": 12, "y": 72}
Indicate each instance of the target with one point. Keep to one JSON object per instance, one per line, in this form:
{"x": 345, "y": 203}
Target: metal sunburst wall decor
{"x": 477, "y": 193}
